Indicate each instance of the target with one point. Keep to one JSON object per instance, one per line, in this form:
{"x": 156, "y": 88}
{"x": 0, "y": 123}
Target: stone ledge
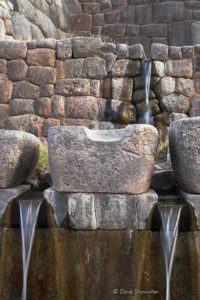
{"x": 87, "y": 211}
{"x": 6, "y": 197}
{"x": 194, "y": 201}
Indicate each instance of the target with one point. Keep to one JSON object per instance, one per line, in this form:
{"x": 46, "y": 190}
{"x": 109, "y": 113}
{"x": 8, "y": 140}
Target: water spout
{"x": 170, "y": 216}
{"x": 146, "y": 118}
{"x": 29, "y": 210}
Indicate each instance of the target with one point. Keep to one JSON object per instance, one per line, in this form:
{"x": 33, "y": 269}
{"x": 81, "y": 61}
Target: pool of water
{"x": 99, "y": 265}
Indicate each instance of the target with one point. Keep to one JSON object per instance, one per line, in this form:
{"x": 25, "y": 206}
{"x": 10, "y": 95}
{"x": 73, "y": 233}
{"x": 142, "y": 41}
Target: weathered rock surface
{"x": 6, "y": 196}
{"x": 126, "y": 168}
{"x": 84, "y": 211}
{"x": 184, "y": 149}
{"x": 194, "y": 201}
{"x": 18, "y": 156}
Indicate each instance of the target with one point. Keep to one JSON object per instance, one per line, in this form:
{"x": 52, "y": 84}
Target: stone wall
{"x": 84, "y": 81}
{"x": 124, "y": 21}
{"x": 72, "y": 81}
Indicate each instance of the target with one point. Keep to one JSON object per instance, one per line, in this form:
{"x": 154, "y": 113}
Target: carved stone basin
{"x": 184, "y": 138}
{"x": 19, "y": 153}
{"x": 102, "y": 161}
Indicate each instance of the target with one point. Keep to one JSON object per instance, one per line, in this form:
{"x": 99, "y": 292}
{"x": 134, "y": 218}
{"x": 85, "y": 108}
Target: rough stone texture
{"x": 172, "y": 22}
{"x": 127, "y": 167}
{"x": 73, "y": 87}
{"x": 159, "y": 52}
{"x": 29, "y": 123}
{"x": 122, "y": 89}
{"x": 126, "y": 68}
{"x": 179, "y": 68}
{"x": 7, "y": 196}
{"x": 83, "y": 211}
{"x": 165, "y": 86}
{"x": 41, "y": 75}
{"x": 95, "y": 67}
{"x": 86, "y": 46}
{"x": 194, "y": 201}
{"x": 19, "y": 153}
{"x": 6, "y": 87}
{"x": 3, "y": 114}
{"x": 195, "y": 107}
{"x": 26, "y": 90}
{"x": 41, "y": 57}
{"x": 17, "y": 70}
{"x": 12, "y": 49}
{"x": 184, "y": 150}
{"x": 21, "y": 107}
{"x": 175, "y": 103}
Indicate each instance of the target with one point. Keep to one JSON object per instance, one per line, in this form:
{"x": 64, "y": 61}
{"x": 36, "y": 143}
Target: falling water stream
{"x": 170, "y": 216}
{"x": 29, "y": 210}
{"x": 146, "y": 70}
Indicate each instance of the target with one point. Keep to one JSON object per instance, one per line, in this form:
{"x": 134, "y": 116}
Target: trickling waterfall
{"x": 146, "y": 118}
{"x": 170, "y": 216}
{"x": 29, "y": 210}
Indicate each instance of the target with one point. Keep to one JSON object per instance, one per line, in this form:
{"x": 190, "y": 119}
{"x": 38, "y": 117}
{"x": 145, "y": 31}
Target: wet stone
{"x": 84, "y": 211}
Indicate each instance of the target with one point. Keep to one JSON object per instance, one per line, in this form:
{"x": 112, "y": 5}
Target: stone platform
{"x": 6, "y": 197}
{"x": 194, "y": 201}
{"x": 90, "y": 211}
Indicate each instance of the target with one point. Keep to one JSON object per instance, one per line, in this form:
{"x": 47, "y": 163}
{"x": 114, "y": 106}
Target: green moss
{"x": 43, "y": 163}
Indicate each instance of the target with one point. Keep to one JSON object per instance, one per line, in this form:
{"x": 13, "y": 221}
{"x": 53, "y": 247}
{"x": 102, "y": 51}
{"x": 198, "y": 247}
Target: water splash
{"x": 170, "y": 216}
{"x": 29, "y": 210}
{"x": 146, "y": 118}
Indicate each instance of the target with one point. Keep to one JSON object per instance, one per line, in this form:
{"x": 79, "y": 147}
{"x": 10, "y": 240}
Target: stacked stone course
{"x": 79, "y": 81}
{"x": 125, "y": 21}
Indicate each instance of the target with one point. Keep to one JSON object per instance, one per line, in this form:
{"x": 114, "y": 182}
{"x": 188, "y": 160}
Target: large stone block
{"x": 41, "y": 75}
{"x": 195, "y": 107}
{"x": 25, "y": 90}
{"x": 81, "y": 22}
{"x": 88, "y": 211}
{"x": 185, "y": 86}
{"x": 122, "y": 89}
{"x": 42, "y": 107}
{"x": 21, "y": 107}
{"x": 86, "y": 46}
{"x": 72, "y": 68}
{"x": 194, "y": 201}
{"x": 179, "y": 68}
{"x": 12, "y": 49}
{"x": 73, "y": 87}
{"x": 6, "y": 197}
{"x": 41, "y": 57}
{"x": 184, "y": 150}
{"x": 3, "y": 114}
{"x": 58, "y": 106}
{"x": 177, "y": 103}
{"x": 17, "y": 69}
{"x": 126, "y": 168}
{"x": 168, "y": 12}
{"x": 165, "y": 86}
{"x": 29, "y": 123}
{"x": 114, "y": 30}
{"x": 84, "y": 107}
{"x": 64, "y": 49}
{"x": 126, "y": 68}
{"x": 19, "y": 153}
{"x": 159, "y": 51}
{"x": 95, "y": 68}
{"x": 6, "y": 88}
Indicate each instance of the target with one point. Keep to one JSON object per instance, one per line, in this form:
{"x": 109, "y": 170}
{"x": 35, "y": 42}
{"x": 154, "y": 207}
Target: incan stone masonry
{"x": 85, "y": 81}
